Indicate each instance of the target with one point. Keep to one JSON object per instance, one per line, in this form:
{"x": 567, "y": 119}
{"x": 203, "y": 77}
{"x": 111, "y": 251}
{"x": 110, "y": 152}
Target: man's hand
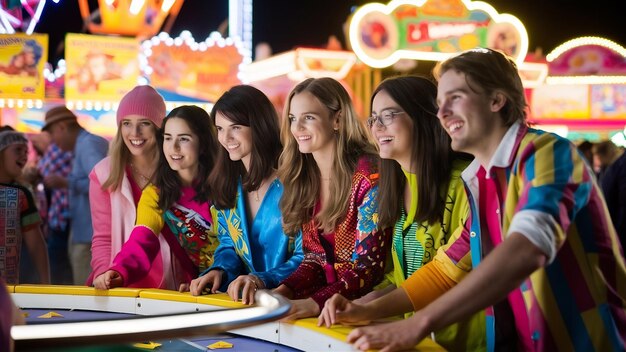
{"x": 397, "y": 336}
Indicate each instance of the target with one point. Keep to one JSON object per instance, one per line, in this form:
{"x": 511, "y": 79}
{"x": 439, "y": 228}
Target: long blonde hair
{"x": 299, "y": 172}
{"x": 120, "y": 157}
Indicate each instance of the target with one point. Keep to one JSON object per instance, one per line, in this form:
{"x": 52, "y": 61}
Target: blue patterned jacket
{"x": 259, "y": 247}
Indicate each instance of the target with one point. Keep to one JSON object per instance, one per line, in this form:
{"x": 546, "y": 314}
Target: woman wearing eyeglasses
{"x": 329, "y": 169}
{"x": 421, "y": 196}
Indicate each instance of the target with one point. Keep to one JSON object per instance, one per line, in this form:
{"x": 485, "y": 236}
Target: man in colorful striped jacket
{"x": 546, "y": 263}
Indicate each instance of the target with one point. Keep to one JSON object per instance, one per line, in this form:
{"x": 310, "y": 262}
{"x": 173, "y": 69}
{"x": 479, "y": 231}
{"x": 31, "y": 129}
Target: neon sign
{"x": 380, "y": 35}
{"x": 587, "y": 60}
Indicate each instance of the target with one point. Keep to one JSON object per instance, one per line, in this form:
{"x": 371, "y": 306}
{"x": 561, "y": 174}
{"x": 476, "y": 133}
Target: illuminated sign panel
{"x": 300, "y": 64}
{"x": 563, "y": 101}
{"x": 381, "y": 35}
{"x": 533, "y": 74}
{"x": 99, "y": 68}
{"x": 202, "y": 70}
{"x": 22, "y": 60}
{"x": 587, "y": 60}
{"x": 608, "y": 101}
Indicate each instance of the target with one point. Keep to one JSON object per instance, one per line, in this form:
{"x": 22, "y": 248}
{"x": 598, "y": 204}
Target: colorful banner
{"x": 22, "y": 60}
{"x": 598, "y": 59}
{"x": 201, "y": 70}
{"x": 608, "y": 101}
{"x": 100, "y": 68}
{"x": 560, "y": 102}
{"x": 381, "y": 34}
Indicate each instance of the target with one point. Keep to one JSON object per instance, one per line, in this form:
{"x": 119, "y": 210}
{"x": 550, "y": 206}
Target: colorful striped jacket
{"x": 575, "y": 302}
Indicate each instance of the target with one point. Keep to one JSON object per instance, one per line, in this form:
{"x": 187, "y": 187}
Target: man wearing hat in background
{"x": 89, "y": 149}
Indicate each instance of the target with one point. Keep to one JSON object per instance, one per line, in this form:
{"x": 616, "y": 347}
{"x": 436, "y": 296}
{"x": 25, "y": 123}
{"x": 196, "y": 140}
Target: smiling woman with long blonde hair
{"x": 330, "y": 170}
{"x": 116, "y": 183}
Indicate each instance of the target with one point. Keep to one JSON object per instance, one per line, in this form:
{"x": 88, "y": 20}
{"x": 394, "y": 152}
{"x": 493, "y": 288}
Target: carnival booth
{"x": 386, "y": 35}
{"x": 577, "y": 90}
{"x": 277, "y": 75}
{"x": 100, "y": 68}
{"x": 584, "y": 93}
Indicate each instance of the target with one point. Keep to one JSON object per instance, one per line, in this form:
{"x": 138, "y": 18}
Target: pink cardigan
{"x": 113, "y": 215}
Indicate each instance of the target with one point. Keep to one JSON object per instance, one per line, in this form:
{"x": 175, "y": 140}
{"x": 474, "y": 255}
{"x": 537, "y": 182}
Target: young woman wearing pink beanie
{"x": 117, "y": 181}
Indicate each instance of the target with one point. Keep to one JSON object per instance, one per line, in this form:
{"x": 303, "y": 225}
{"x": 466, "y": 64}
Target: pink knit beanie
{"x": 144, "y": 101}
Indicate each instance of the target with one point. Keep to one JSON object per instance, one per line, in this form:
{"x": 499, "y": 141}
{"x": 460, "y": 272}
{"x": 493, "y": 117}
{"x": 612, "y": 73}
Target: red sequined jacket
{"x": 357, "y": 261}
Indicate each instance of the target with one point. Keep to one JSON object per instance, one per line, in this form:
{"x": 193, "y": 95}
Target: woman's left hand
{"x": 108, "y": 280}
{"x": 183, "y": 287}
{"x": 302, "y": 308}
{"x": 247, "y": 285}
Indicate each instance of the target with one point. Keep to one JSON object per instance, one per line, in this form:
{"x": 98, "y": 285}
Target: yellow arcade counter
{"x": 302, "y": 334}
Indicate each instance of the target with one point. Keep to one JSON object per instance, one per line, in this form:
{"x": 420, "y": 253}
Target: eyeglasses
{"x": 385, "y": 119}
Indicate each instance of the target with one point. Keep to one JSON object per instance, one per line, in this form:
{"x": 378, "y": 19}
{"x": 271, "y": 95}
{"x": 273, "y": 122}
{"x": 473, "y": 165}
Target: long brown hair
{"x": 299, "y": 172}
{"x": 246, "y": 106}
{"x": 431, "y": 154}
{"x": 168, "y": 181}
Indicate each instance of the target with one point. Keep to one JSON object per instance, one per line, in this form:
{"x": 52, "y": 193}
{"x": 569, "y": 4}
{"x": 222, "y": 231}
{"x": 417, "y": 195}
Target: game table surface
{"x": 78, "y": 304}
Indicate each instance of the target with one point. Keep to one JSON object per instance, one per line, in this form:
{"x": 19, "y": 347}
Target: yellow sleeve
{"x": 148, "y": 212}
{"x": 427, "y": 284}
{"x": 214, "y": 211}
